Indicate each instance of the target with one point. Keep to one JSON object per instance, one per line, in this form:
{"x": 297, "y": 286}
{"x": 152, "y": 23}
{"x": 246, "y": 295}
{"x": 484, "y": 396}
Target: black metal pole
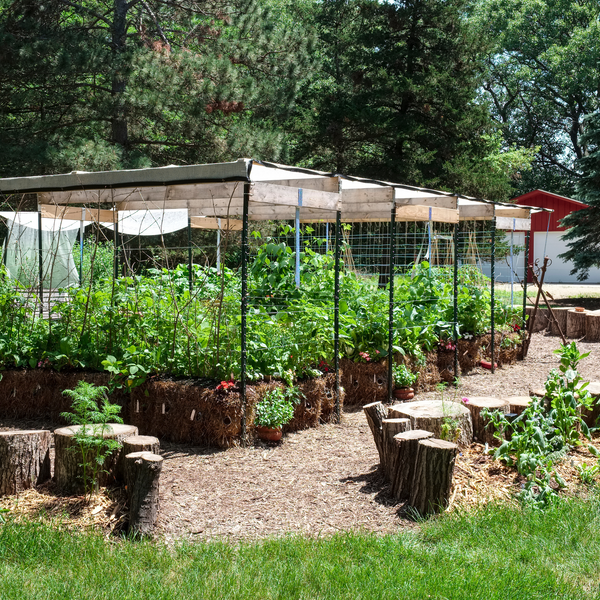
{"x": 493, "y": 300}
{"x": 116, "y": 245}
{"x": 41, "y": 262}
{"x": 391, "y": 306}
{"x": 244, "y": 307}
{"x": 525, "y": 274}
{"x": 455, "y": 308}
{"x": 336, "y": 313}
{"x": 189, "y": 232}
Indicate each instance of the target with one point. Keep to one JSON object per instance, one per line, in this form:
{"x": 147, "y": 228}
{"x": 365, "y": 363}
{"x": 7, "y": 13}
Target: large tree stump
{"x": 135, "y": 443}
{"x": 541, "y": 318}
{"x": 24, "y": 460}
{"x": 430, "y": 490}
{"x": 68, "y": 460}
{"x": 390, "y": 428}
{"x": 576, "y": 323}
{"x": 431, "y": 414}
{"x": 561, "y": 316}
{"x": 407, "y": 445}
{"x": 142, "y": 472}
{"x": 375, "y": 413}
{"x": 482, "y": 427}
{"x": 517, "y": 404}
{"x": 592, "y": 326}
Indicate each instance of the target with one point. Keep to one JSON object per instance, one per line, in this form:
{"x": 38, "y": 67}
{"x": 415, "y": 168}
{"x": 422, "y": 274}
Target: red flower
{"x": 225, "y": 386}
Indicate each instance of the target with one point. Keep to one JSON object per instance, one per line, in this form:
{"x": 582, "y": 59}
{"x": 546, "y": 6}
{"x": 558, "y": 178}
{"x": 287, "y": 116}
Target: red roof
{"x": 561, "y": 206}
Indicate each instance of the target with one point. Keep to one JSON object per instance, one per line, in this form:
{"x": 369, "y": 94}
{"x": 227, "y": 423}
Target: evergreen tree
{"x": 397, "y": 94}
{"x": 104, "y": 84}
{"x": 584, "y": 225}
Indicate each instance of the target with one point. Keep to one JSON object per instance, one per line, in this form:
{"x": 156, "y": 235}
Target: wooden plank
{"x": 379, "y": 196}
{"x": 476, "y": 212}
{"x": 325, "y": 184}
{"x": 213, "y": 223}
{"x": 271, "y": 194}
{"x": 75, "y": 213}
{"x": 426, "y": 213}
{"x": 513, "y": 213}
{"x": 508, "y": 224}
{"x": 439, "y": 201}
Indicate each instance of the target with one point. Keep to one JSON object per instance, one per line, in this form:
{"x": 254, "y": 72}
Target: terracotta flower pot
{"x": 404, "y": 393}
{"x": 267, "y": 434}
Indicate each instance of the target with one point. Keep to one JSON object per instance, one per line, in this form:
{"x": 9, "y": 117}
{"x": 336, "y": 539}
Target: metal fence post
{"x": 493, "y": 298}
{"x": 525, "y": 274}
{"x": 244, "y": 309}
{"x": 391, "y": 306}
{"x": 455, "y": 307}
{"x": 336, "y": 313}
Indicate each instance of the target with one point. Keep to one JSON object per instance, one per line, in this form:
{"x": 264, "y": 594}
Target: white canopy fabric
{"x": 31, "y": 220}
{"x": 150, "y": 222}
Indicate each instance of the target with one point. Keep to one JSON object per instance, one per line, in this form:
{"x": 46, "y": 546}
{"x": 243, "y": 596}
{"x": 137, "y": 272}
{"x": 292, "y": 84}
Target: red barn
{"x": 546, "y": 234}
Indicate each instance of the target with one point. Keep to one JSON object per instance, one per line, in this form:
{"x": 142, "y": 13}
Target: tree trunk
{"x": 517, "y": 404}
{"x": 68, "y": 458}
{"x": 375, "y": 413}
{"x": 142, "y": 472}
{"x": 135, "y": 443}
{"x": 592, "y": 326}
{"x": 482, "y": 427}
{"x": 576, "y": 324}
{"x": 407, "y": 445}
{"x": 24, "y": 460}
{"x": 431, "y": 484}
{"x": 119, "y": 126}
{"x": 391, "y": 427}
{"x": 430, "y": 415}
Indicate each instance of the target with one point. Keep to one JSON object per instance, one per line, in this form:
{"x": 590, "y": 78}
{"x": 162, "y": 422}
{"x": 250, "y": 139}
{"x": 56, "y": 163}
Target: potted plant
{"x": 403, "y": 380}
{"x": 275, "y": 410}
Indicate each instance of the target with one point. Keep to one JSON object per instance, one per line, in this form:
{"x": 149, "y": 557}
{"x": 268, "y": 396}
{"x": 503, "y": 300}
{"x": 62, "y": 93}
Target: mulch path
{"x": 316, "y": 481}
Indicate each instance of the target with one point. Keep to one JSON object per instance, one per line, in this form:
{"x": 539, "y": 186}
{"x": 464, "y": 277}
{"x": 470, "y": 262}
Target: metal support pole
{"x": 493, "y": 300}
{"x": 327, "y": 237}
{"x": 391, "y": 306}
{"x": 429, "y": 242}
{"x": 219, "y": 246}
{"x": 336, "y": 313}
{"x": 244, "y": 308}
{"x": 190, "y": 265}
{"x": 512, "y": 267}
{"x": 41, "y": 262}
{"x": 455, "y": 307}
{"x": 81, "y": 232}
{"x": 116, "y": 245}
{"x": 525, "y": 274}
{"x": 297, "y": 227}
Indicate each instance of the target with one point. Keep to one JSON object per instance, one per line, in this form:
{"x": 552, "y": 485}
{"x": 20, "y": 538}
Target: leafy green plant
{"x": 94, "y": 421}
{"x": 403, "y": 377}
{"x": 587, "y": 473}
{"x": 276, "y": 408}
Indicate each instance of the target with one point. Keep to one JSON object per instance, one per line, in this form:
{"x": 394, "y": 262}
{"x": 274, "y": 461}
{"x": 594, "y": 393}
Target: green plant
{"x": 276, "y": 408}
{"x": 450, "y": 429}
{"x": 403, "y": 377}
{"x": 93, "y": 421}
{"x": 587, "y": 473}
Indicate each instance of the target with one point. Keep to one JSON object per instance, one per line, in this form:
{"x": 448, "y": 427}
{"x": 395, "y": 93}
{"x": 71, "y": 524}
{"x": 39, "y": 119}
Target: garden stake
{"x": 493, "y": 298}
{"x": 455, "y": 307}
{"x": 552, "y": 316}
{"x": 189, "y": 233}
{"x": 244, "y": 309}
{"x": 336, "y": 313}
{"x": 531, "y": 322}
{"x": 527, "y": 237}
{"x": 41, "y": 262}
{"x": 391, "y": 307}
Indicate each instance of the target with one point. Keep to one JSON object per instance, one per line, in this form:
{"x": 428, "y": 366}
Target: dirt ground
{"x": 316, "y": 481}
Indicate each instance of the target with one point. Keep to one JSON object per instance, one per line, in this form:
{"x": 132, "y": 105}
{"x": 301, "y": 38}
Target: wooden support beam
{"x": 382, "y": 197}
{"x": 324, "y": 184}
{"x": 513, "y": 213}
{"x": 508, "y": 224}
{"x": 476, "y": 212}
{"x": 72, "y": 213}
{"x": 439, "y": 201}
{"x": 271, "y": 194}
{"x": 426, "y": 213}
{"x": 213, "y": 223}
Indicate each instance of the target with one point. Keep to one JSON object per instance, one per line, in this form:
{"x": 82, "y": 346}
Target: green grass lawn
{"x": 497, "y": 552}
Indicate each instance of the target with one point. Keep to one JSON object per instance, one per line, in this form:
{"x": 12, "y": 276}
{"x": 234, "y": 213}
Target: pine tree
{"x": 102, "y": 84}
{"x": 584, "y": 225}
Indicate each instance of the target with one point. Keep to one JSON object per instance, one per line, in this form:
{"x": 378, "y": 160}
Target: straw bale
{"x": 469, "y": 353}
{"x": 364, "y": 382}
{"x": 429, "y": 374}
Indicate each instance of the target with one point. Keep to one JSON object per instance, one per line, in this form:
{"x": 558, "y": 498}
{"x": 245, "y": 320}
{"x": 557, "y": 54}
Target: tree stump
{"x": 431, "y": 414}
{"x": 518, "y": 404}
{"x": 576, "y": 323}
{"x": 391, "y": 427}
{"x": 407, "y": 445}
{"x": 430, "y": 490}
{"x": 541, "y": 318}
{"x": 592, "y": 326}
{"x": 482, "y": 427}
{"x": 135, "y": 443}
{"x": 68, "y": 470}
{"x": 561, "y": 316}
{"x": 24, "y": 460}
{"x": 142, "y": 472}
{"x": 375, "y": 413}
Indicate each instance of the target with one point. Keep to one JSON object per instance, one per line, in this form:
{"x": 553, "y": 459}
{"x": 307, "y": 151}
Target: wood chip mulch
{"x": 315, "y": 482}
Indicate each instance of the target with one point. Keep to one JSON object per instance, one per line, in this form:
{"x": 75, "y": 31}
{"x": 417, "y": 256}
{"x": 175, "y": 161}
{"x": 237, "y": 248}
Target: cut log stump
{"x": 142, "y": 472}
{"x": 576, "y": 323}
{"x": 483, "y": 430}
{"x": 407, "y": 445}
{"x": 68, "y": 470}
{"x": 135, "y": 443}
{"x": 431, "y": 414}
{"x": 375, "y": 413}
{"x": 592, "y": 326}
{"x": 518, "y": 403}
{"x": 560, "y": 314}
{"x": 391, "y": 427}
{"x": 430, "y": 490}
{"x": 24, "y": 460}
